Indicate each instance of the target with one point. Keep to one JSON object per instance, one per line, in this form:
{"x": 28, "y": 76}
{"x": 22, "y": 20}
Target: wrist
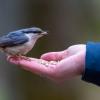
{"x": 81, "y": 67}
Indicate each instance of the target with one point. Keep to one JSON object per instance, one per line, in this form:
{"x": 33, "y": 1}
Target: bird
{"x": 20, "y": 42}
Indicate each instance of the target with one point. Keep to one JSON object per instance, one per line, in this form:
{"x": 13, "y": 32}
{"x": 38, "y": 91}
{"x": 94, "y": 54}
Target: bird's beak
{"x": 44, "y": 33}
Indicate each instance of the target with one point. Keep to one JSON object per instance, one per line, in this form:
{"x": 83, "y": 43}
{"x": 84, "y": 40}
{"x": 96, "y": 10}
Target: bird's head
{"x": 34, "y": 32}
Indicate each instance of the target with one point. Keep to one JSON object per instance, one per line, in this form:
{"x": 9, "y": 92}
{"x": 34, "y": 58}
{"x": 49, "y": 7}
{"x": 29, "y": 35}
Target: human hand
{"x": 69, "y": 63}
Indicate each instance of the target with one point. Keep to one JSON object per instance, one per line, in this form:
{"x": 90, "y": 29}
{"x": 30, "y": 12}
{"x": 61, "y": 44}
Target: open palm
{"x": 69, "y": 63}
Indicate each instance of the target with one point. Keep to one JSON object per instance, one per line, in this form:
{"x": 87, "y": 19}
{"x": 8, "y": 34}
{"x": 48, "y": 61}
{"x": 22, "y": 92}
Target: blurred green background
{"x": 68, "y": 22}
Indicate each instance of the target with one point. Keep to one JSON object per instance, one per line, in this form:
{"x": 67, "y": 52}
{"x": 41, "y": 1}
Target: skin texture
{"x": 71, "y": 63}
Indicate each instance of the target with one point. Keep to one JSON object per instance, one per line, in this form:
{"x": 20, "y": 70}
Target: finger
{"x": 55, "y": 56}
{"x": 33, "y": 66}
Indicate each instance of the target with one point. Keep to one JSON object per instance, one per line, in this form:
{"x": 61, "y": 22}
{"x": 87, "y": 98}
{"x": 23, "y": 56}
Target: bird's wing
{"x": 12, "y": 39}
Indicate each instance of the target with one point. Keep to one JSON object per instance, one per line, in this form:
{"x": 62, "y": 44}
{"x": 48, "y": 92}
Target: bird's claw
{"x": 17, "y": 57}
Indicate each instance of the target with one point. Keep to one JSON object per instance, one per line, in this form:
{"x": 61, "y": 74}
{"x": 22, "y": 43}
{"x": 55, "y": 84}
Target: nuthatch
{"x": 20, "y": 42}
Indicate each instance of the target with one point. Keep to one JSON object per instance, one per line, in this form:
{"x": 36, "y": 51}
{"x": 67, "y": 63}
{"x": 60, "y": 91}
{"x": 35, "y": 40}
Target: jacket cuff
{"x": 92, "y": 63}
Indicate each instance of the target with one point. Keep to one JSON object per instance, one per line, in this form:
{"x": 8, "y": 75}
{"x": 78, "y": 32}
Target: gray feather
{"x": 13, "y": 39}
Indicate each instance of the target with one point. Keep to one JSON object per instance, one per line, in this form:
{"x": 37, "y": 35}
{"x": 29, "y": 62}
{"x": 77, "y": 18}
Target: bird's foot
{"x": 19, "y": 57}
{"x": 24, "y": 58}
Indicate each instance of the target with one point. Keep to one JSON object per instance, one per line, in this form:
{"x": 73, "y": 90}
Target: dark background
{"x": 68, "y": 22}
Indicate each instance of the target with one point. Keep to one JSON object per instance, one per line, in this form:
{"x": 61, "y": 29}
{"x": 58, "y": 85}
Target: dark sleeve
{"x": 92, "y": 63}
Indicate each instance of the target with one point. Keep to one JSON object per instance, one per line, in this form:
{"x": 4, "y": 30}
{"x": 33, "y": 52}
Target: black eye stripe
{"x": 37, "y": 31}
{"x": 32, "y": 31}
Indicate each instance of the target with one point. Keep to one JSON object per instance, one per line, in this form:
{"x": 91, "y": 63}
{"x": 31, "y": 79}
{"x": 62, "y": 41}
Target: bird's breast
{"x": 21, "y": 49}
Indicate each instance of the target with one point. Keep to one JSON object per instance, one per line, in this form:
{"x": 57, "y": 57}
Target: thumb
{"x": 54, "y": 56}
